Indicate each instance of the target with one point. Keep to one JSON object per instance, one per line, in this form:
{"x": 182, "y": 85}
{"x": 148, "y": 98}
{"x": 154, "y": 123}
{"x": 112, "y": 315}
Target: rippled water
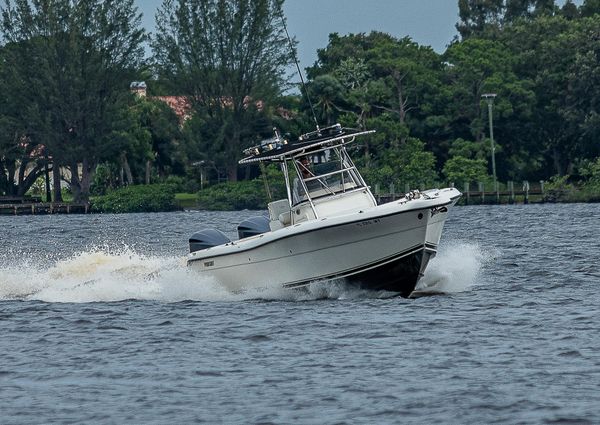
{"x": 100, "y": 322}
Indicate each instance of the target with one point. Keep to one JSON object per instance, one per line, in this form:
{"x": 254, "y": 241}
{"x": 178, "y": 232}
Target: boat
{"x": 330, "y": 226}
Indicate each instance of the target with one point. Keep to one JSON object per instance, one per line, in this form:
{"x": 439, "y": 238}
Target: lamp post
{"x": 200, "y": 165}
{"x": 489, "y": 98}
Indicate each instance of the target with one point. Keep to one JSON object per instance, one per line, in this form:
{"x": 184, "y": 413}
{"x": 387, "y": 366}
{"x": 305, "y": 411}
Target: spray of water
{"x": 102, "y": 275}
{"x": 455, "y": 269}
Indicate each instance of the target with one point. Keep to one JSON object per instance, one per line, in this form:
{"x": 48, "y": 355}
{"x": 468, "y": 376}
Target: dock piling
{"x": 482, "y": 191}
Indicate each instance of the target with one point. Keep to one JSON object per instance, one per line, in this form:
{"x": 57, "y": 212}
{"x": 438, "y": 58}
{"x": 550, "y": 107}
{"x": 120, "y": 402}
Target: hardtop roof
{"x": 278, "y": 149}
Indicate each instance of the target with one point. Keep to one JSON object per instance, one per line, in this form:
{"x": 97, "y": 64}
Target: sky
{"x": 428, "y": 22}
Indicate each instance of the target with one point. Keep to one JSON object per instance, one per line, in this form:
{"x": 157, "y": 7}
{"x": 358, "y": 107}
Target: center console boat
{"x": 329, "y": 227}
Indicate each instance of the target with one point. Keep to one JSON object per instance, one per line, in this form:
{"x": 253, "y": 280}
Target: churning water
{"x": 101, "y": 322}
{"x": 102, "y": 275}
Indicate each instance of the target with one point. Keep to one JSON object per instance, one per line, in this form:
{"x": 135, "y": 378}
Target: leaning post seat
{"x": 279, "y": 214}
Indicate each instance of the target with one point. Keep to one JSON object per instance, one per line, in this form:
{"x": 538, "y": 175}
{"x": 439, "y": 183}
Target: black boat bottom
{"x": 400, "y": 275}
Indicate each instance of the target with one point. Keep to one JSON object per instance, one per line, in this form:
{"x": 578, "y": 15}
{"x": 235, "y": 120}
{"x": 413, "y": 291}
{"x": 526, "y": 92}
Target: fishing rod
{"x": 293, "y": 51}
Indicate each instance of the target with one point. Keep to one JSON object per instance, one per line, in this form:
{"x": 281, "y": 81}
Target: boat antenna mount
{"x": 294, "y": 56}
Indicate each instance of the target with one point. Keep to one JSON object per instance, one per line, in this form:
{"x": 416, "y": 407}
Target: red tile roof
{"x": 179, "y": 104}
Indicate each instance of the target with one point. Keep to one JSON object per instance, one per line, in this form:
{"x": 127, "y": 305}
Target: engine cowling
{"x": 253, "y": 226}
{"x": 207, "y": 238}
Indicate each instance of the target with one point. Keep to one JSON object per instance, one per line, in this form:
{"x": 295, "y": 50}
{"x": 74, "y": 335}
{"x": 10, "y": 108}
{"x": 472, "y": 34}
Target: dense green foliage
{"x": 542, "y": 61}
{"x": 66, "y": 69}
{"x": 228, "y": 58}
{"x": 150, "y": 147}
{"x": 66, "y": 66}
{"x": 242, "y": 195}
{"x": 251, "y": 195}
{"x": 590, "y": 189}
{"x": 142, "y": 198}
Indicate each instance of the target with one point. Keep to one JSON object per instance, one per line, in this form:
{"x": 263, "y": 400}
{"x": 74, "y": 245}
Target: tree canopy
{"x": 229, "y": 59}
{"x": 69, "y": 64}
{"x": 65, "y": 101}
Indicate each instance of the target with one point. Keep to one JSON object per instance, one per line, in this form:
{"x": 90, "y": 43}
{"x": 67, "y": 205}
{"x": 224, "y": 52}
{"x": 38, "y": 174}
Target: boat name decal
{"x": 368, "y": 222}
{"x": 209, "y": 264}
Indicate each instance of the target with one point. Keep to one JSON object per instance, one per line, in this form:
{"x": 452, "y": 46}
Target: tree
{"x": 487, "y": 18}
{"x": 570, "y": 10}
{"x": 590, "y": 8}
{"x": 396, "y": 75}
{"x": 590, "y": 169}
{"x": 412, "y": 75}
{"x": 478, "y": 16}
{"x": 460, "y": 170}
{"x": 561, "y": 59}
{"x": 478, "y": 66}
{"x": 229, "y": 58}
{"x": 409, "y": 163}
{"x": 76, "y": 59}
{"x": 163, "y": 128}
{"x": 328, "y": 95}
{"x": 387, "y": 82}
{"x": 583, "y": 98}
{"x": 149, "y": 134}
{"x": 22, "y": 157}
{"x": 468, "y": 162}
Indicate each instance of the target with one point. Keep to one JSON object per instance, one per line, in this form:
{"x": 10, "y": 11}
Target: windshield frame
{"x": 318, "y": 185}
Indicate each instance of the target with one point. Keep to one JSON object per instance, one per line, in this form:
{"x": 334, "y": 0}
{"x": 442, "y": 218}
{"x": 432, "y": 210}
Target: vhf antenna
{"x": 312, "y": 109}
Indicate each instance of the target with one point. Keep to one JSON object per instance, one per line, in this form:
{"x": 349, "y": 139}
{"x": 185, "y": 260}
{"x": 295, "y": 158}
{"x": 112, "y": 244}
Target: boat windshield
{"x": 324, "y": 173}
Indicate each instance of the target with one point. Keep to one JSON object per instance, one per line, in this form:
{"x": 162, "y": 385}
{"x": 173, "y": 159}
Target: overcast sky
{"x": 428, "y": 22}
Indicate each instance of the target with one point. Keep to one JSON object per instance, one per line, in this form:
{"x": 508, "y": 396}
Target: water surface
{"x": 100, "y": 322}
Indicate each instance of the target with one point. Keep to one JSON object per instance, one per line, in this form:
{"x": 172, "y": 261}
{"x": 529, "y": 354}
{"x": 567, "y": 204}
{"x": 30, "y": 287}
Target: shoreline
{"x": 189, "y": 202}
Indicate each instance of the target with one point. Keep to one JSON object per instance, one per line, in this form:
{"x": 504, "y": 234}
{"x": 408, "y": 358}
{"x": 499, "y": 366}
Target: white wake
{"x": 102, "y": 275}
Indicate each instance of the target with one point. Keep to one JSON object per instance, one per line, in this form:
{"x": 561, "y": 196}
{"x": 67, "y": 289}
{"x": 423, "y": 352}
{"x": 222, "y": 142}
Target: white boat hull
{"x": 383, "y": 248}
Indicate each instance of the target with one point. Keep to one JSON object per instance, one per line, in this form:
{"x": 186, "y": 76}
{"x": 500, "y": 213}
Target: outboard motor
{"x": 253, "y": 226}
{"x": 207, "y": 238}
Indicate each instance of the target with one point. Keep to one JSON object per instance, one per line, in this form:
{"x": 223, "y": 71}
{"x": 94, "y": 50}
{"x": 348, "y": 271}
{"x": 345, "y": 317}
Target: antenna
{"x": 312, "y": 109}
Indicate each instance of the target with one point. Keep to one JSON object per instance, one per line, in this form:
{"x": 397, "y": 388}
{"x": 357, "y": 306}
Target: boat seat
{"x": 285, "y": 218}
{"x": 276, "y": 208}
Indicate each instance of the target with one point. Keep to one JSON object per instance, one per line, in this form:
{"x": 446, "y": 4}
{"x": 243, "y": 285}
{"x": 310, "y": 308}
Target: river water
{"x": 101, "y": 322}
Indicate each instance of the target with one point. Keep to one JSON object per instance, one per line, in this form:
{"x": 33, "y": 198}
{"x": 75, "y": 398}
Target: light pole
{"x": 200, "y": 164}
{"x": 489, "y": 98}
